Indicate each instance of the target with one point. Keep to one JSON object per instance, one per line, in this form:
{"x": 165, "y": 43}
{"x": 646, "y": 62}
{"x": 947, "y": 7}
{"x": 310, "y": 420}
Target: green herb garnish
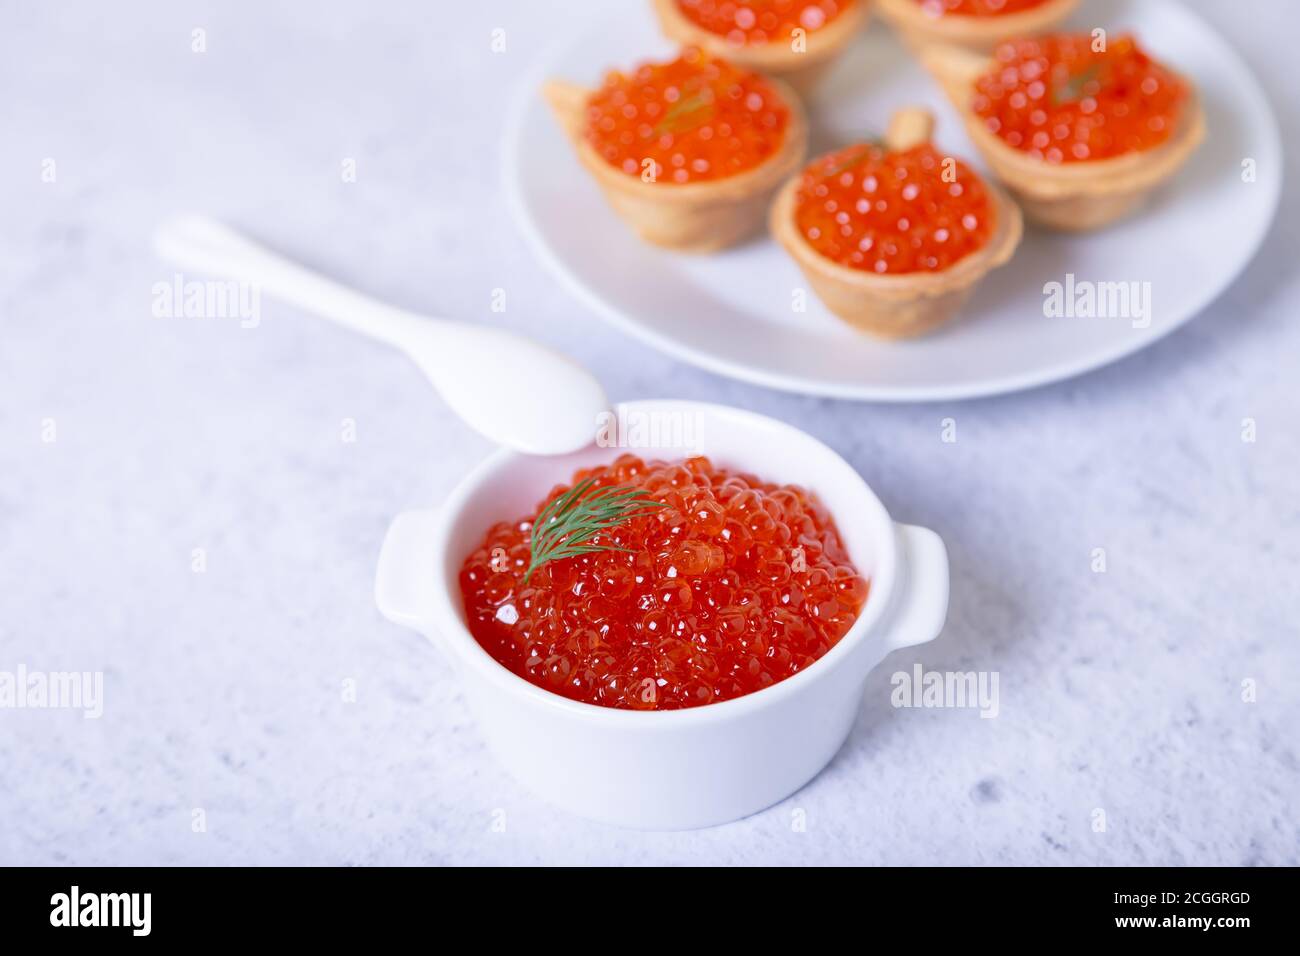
{"x": 568, "y": 524}
{"x": 687, "y": 113}
{"x": 859, "y": 155}
{"x": 1072, "y": 89}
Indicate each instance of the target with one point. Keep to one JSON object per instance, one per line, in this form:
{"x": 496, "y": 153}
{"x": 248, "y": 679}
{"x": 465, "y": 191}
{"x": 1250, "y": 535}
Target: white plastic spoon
{"x": 514, "y": 391}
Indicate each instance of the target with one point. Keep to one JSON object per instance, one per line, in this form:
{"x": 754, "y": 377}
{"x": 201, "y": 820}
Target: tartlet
{"x": 1113, "y": 125}
{"x": 687, "y": 152}
{"x": 974, "y": 24}
{"x": 760, "y": 36}
{"x": 895, "y": 278}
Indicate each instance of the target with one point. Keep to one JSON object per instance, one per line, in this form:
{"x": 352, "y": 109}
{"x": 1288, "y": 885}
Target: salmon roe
{"x": 695, "y": 118}
{"x": 1058, "y": 100}
{"x": 754, "y": 22}
{"x": 734, "y": 585}
{"x": 893, "y": 212}
{"x": 977, "y": 8}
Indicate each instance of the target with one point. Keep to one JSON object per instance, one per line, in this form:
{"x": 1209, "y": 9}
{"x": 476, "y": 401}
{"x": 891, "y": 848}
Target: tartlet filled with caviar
{"x": 657, "y": 585}
{"x": 974, "y": 24}
{"x": 1081, "y": 128}
{"x": 893, "y": 237}
{"x": 794, "y": 40}
{"x": 687, "y": 152}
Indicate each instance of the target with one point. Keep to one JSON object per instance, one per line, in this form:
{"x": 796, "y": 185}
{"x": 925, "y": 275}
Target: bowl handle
{"x": 923, "y": 598}
{"x": 405, "y": 579}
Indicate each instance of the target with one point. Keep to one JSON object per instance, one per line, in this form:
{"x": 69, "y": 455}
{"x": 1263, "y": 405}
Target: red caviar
{"x": 977, "y": 8}
{"x": 735, "y": 585}
{"x": 696, "y": 118}
{"x": 1058, "y": 100}
{"x": 893, "y": 212}
{"x": 754, "y": 22}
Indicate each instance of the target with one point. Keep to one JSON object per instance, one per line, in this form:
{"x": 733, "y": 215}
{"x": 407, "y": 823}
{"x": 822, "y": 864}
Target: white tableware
{"x": 749, "y": 314}
{"x": 514, "y": 391}
{"x": 673, "y": 769}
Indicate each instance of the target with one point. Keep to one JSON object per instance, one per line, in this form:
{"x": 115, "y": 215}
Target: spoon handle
{"x": 204, "y": 245}
{"x": 509, "y": 388}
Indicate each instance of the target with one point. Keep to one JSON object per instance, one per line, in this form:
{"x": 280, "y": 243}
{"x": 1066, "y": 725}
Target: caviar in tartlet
{"x": 755, "y": 22}
{"x": 894, "y": 239}
{"x": 727, "y": 586}
{"x": 695, "y": 118}
{"x": 977, "y": 8}
{"x": 893, "y": 212}
{"x": 1059, "y": 100}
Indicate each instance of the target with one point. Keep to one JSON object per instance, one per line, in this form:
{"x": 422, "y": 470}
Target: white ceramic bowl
{"x": 673, "y": 769}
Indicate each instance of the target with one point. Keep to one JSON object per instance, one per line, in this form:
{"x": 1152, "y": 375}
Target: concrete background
{"x": 222, "y": 690}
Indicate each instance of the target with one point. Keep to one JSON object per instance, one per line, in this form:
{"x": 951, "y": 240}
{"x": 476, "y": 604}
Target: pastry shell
{"x": 980, "y": 34}
{"x": 1074, "y": 197}
{"x": 802, "y": 70}
{"x": 687, "y": 217}
{"x": 906, "y": 304}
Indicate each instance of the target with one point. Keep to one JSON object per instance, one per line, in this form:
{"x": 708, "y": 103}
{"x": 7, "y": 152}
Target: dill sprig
{"x": 858, "y": 153}
{"x": 1072, "y": 90}
{"x": 687, "y": 113}
{"x": 568, "y": 524}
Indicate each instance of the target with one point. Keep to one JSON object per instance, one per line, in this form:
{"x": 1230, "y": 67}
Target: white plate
{"x": 733, "y": 312}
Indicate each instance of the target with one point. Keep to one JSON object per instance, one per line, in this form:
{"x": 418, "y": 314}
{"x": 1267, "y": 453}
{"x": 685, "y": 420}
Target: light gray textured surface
{"x": 1119, "y": 691}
